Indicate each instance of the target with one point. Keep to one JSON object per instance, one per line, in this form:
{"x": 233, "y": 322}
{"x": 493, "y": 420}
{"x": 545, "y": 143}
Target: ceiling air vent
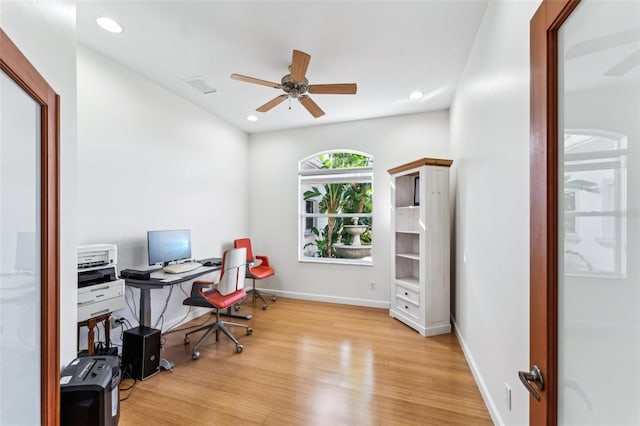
{"x": 200, "y": 84}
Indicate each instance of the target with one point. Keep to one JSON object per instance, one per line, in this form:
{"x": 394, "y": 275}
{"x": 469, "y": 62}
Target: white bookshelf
{"x": 420, "y": 288}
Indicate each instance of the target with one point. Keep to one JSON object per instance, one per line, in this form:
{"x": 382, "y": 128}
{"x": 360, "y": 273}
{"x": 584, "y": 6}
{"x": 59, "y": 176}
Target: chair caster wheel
{"x": 249, "y": 330}
{"x": 236, "y": 307}
{"x": 239, "y": 348}
{"x": 264, "y": 307}
{"x": 273, "y": 298}
{"x": 186, "y": 340}
{"x": 195, "y": 355}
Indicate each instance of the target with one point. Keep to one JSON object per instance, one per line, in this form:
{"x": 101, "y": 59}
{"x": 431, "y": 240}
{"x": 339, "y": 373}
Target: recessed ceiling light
{"x": 109, "y": 24}
{"x": 252, "y": 118}
{"x": 416, "y": 95}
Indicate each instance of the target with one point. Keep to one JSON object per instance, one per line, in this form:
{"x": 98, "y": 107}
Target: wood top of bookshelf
{"x": 421, "y": 162}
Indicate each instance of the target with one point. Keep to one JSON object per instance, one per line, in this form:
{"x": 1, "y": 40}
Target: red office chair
{"x": 227, "y": 292}
{"x": 258, "y": 272}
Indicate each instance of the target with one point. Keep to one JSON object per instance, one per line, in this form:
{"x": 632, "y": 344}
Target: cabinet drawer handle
{"x": 406, "y": 307}
{"x": 406, "y": 294}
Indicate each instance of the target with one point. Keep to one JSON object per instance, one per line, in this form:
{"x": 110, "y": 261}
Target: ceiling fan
{"x": 296, "y": 86}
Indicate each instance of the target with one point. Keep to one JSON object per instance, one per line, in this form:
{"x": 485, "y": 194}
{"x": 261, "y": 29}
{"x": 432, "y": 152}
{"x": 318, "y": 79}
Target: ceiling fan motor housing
{"x": 292, "y": 88}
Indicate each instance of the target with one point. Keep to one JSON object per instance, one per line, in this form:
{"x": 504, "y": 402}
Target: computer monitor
{"x": 168, "y": 246}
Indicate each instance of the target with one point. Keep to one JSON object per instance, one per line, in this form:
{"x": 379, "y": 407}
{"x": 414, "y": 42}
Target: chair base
{"x": 257, "y": 294}
{"x": 216, "y": 327}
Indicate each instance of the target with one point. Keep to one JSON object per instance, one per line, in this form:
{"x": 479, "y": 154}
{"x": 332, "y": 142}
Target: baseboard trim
{"x": 491, "y": 406}
{"x": 330, "y": 299}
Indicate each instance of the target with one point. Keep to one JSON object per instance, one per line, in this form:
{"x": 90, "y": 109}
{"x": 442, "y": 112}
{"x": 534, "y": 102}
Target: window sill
{"x": 367, "y": 261}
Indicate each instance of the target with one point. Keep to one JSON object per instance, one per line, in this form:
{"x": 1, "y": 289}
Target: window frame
{"x": 316, "y": 176}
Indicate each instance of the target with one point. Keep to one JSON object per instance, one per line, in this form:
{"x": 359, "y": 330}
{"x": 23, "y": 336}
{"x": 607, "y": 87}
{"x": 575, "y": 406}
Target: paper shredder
{"x": 89, "y": 392}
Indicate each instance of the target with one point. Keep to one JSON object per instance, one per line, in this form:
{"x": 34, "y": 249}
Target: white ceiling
{"x": 389, "y": 48}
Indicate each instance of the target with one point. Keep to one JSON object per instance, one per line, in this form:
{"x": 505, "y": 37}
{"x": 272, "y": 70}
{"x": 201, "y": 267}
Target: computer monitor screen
{"x": 168, "y": 246}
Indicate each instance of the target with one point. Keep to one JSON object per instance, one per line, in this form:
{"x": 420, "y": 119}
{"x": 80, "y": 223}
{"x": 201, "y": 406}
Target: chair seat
{"x": 261, "y": 271}
{"x": 222, "y": 302}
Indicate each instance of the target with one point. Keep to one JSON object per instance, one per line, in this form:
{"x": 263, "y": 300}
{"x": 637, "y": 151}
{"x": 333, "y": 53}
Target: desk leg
{"x": 145, "y": 320}
{"x": 145, "y": 307}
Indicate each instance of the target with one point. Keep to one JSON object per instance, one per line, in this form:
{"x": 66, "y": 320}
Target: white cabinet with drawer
{"x": 420, "y": 245}
{"x": 98, "y": 299}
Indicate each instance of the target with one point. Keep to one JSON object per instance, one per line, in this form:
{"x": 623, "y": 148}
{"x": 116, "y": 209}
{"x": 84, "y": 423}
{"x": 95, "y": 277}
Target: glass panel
{"x": 19, "y": 255}
{"x": 599, "y": 154}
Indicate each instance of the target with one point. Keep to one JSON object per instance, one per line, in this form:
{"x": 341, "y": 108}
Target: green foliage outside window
{"x": 340, "y": 198}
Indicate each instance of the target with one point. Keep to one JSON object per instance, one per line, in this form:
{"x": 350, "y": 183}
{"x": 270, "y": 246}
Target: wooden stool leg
{"x": 91, "y": 325}
{"x": 80, "y": 325}
{"x": 107, "y": 331}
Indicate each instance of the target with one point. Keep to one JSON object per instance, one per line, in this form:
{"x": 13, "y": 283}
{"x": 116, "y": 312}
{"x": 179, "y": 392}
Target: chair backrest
{"x": 233, "y": 272}
{"x": 246, "y": 243}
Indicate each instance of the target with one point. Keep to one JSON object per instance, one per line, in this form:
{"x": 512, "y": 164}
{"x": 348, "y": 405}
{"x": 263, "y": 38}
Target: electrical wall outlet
{"x": 507, "y": 395}
{"x": 113, "y": 322}
{"x": 372, "y": 285}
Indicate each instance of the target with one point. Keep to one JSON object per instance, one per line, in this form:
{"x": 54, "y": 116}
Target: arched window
{"x": 336, "y": 200}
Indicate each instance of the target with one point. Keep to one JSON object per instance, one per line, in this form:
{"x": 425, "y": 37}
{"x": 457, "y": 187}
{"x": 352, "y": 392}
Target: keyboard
{"x": 179, "y": 268}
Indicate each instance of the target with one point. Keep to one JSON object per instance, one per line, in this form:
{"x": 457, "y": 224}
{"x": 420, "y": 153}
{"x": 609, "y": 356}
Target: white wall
{"x": 45, "y": 33}
{"x": 148, "y": 160}
{"x": 273, "y": 165}
{"x": 490, "y": 142}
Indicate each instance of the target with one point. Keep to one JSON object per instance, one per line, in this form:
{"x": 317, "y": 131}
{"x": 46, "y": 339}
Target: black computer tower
{"x": 141, "y": 352}
{"x": 89, "y": 392}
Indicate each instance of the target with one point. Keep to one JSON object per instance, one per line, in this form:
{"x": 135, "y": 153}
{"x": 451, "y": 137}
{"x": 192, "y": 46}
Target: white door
{"x": 585, "y": 203}
{"x": 19, "y": 255}
{"x": 29, "y": 243}
{"x": 598, "y": 205}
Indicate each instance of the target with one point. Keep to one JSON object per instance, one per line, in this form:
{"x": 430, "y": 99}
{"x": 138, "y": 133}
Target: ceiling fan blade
{"x": 334, "y": 89}
{"x": 311, "y": 106}
{"x": 299, "y": 64}
{"x": 625, "y": 65}
{"x": 602, "y": 43}
{"x": 255, "y": 81}
{"x": 273, "y": 102}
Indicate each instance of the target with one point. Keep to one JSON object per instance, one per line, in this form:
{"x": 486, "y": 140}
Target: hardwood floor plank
{"x": 310, "y": 363}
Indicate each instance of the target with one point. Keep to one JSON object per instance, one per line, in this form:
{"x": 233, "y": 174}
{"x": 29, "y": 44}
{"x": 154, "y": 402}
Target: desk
{"x": 160, "y": 279}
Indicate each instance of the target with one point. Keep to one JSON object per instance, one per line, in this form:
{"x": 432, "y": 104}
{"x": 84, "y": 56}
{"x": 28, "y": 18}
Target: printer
{"x": 99, "y": 289}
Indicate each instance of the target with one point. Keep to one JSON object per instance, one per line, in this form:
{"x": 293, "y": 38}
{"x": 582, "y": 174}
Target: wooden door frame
{"x": 543, "y": 286}
{"x": 20, "y": 70}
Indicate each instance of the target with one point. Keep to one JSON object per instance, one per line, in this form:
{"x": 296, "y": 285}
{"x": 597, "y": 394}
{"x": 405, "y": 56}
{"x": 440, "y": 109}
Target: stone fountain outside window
{"x": 355, "y": 250}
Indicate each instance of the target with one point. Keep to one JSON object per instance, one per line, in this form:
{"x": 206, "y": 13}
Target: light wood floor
{"x": 310, "y": 363}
